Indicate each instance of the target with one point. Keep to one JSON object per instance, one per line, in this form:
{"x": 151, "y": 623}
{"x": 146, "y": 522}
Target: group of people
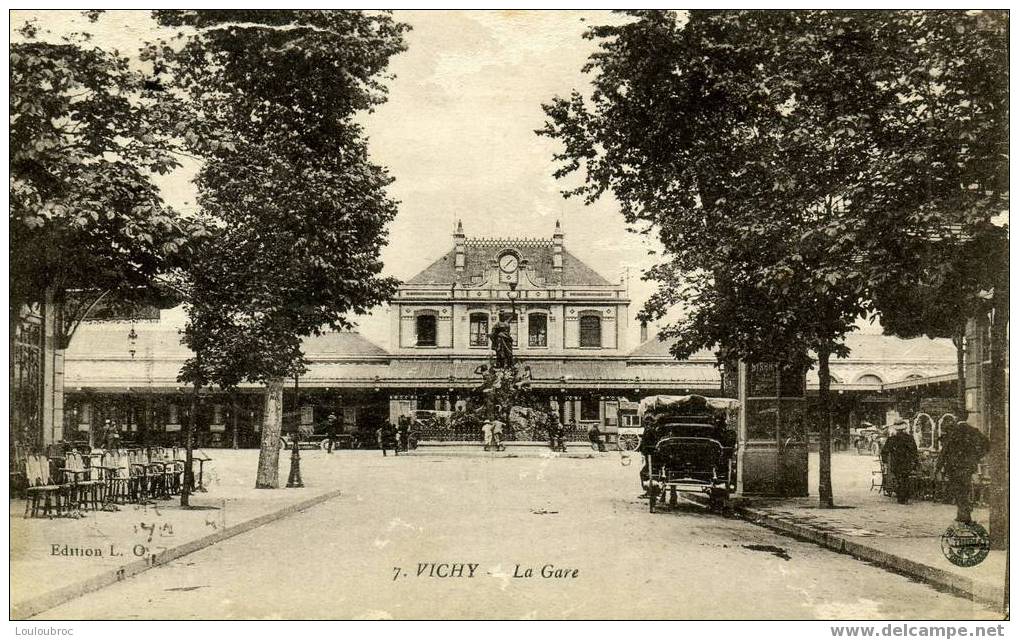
{"x": 389, "y": 437}
{"x": 492, "y": 432}
{"x": 962, "y": 448}
{"x": 393, "y": 438}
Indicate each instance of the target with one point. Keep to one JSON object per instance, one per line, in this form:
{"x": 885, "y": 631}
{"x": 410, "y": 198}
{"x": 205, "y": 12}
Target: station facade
{"x": 569, "y": 325}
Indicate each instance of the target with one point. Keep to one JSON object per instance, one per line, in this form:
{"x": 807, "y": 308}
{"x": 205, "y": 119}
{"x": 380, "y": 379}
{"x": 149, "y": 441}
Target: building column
{"x": 49, "y": 348}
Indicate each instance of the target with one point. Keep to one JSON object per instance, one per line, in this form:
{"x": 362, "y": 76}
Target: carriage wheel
{"x": 324, "y": 445}
{"x": 628, "y": 442}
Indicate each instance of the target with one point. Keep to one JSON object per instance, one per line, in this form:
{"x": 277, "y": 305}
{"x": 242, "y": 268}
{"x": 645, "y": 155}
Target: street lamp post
{"x": 294, "y": 480}
{"x": 512, "y": 294}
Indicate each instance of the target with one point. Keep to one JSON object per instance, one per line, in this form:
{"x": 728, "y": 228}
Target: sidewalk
{"x": 874, "y": 527}
{"x": 55, "y": 560}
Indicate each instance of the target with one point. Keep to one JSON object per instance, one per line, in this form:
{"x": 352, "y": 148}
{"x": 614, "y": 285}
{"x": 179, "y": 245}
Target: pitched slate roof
{"x": 537, "y": 254}
{"x": 655, "y": 349}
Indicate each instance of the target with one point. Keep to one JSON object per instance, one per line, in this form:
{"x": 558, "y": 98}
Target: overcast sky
{"x": 458, "y": 136}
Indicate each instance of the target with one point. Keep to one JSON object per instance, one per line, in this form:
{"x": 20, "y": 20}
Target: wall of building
{"x": 453, "y": 327}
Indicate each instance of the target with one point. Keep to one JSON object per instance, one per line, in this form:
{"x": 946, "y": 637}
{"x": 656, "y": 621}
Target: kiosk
{"x": 772, "y": 427}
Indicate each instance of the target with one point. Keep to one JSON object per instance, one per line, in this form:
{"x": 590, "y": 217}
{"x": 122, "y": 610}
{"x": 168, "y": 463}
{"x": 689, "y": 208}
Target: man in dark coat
{"x": 648, "y": 441}
{"x": 901, "y": 456}
{"x": 330, "y": 432}
{"x": 555, "y": 432}
{"x": 386, "y": 436}
{"x": 402, "y": 433}
{"x": 595, "y": 436}
{"x": 962, "y": 448}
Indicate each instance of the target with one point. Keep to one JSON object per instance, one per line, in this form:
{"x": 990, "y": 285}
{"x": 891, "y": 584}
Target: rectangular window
{"x": 590, "y": 331}
{"x": 611, "y": 414}
{"x": 426, "y": 330}
{"x": 479, "y": 329}
{"x": 589, "y": 409}
{"x": 537, "y": 330}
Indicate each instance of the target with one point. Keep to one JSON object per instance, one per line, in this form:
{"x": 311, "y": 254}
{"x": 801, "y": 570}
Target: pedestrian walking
{"x": 402, "y": 433}
{"x": 385, "y": 436}
{"x": 962, "y": 448}
{"x": 648, "y": 441}
{"x": 486, "y": 434}
{"x": 555, "y": 432}
{"x": 901, "y": 457}
{"x": 331, "y": 429}
{"x": 595, "y": 436}
{"x": 497, "y": 427}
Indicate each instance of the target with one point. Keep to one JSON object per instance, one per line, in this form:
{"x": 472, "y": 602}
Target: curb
{"x": 38, "y": 604}
{"x": 940, "y": 578}
{"x": 508, "y": 453}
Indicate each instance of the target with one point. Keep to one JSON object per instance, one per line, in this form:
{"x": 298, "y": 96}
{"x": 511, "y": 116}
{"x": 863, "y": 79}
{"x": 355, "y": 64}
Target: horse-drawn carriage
{"x": 688, "y": 445}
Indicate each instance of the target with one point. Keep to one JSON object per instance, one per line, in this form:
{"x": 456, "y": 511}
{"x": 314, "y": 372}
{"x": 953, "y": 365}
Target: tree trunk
{"x": 997, "y": 405}
{"x": 189, "y": 454}
{"x": 824, "y": 489}
{"x": 960, "y": 369}
{"x": 235, "y": 416}
{"x": 272, "y": 425}
{"x": 12, "y": 363}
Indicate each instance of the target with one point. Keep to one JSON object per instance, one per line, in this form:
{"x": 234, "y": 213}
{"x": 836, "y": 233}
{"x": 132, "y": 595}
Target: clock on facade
{"x": 508, "y": 263}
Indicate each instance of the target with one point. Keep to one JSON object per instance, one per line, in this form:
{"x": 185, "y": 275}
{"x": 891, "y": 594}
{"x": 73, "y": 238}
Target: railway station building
{"x": 569, "y": 326}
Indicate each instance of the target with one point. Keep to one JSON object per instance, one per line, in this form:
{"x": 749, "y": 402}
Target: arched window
{"x": 537, "y": 330}
{"x": 868, "y": 378}
{"x": 590, "y": 331}
{"x": 479, "y": 329}
{"x": 425, "y": 328}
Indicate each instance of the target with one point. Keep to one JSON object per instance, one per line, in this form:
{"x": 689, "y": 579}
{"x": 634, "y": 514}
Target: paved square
{"x": 381, "y": 551}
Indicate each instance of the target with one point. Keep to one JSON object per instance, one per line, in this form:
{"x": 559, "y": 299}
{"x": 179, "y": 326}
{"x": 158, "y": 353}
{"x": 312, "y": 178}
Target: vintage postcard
{"x": 337, "y": 314}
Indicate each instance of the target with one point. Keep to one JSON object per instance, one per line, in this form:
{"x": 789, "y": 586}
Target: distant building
{"x": 570, "y": 329}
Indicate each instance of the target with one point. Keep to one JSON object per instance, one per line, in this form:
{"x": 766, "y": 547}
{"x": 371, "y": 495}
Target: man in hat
{"x": 962, "y": 448}
{"x": 901, "y": 457}
{"x": 330, "y": 432}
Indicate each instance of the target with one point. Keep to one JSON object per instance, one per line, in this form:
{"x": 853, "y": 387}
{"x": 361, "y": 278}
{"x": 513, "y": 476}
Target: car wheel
{"x": 628, "y": 442}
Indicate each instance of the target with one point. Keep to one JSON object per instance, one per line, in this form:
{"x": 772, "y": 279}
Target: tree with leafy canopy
{"x": 937, "y": 289}
{"x": 935, "y": 204}
{"x": 772, "y": 153}
{"x": 86, "y": 140}
{"x": 86, "y": 220}
{"x": 269, "y": 100}
{"x": 722, "y": 143}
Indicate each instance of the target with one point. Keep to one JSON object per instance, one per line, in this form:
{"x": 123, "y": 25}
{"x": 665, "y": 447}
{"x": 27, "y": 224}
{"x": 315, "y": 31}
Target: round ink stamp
{"x": 965, "y": 544}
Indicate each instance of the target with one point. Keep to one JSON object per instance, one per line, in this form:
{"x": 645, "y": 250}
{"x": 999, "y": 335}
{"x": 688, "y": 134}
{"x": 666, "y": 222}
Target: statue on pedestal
{"x": 502, "y": 344}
